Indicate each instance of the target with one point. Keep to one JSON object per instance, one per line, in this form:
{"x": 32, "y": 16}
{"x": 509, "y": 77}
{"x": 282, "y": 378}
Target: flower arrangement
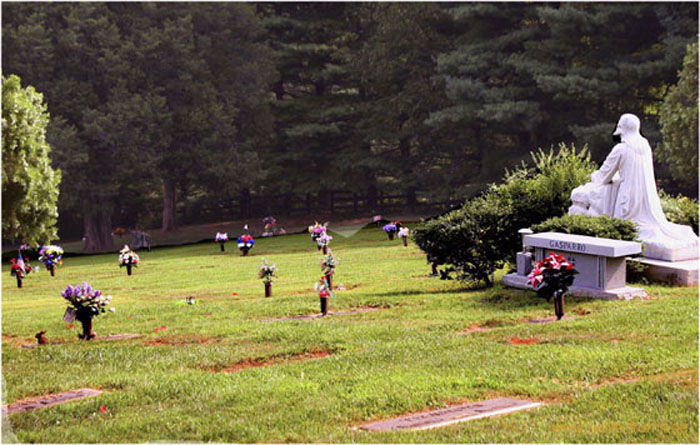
{"x": 323, "y": 241}
{"x": 329, "y": 263}
{"x": 87, "y": 303}
{"x": 551, "y": 277}
{"x": 404, "y": 232}
{"x": 128, "y": 258}
{"x": 50, "y": 255}
{"x": 325, "y": 290}
{"x": 267, "y": 272}
{"x": 221, "y": 238}
{"x": 19, "y": 269}
{"x": 245, "y": 243}
{"x": 391, "y": 229}
{"x": 317, "y": 230}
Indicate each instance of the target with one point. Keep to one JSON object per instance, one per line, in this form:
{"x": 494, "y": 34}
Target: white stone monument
{"x": 624, "y": 187}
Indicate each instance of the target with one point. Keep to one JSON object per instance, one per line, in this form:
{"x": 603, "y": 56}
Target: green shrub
{"x": 480, "y": 237}
{"x": 598, "y": 226}
{"x": 680, "y": 209}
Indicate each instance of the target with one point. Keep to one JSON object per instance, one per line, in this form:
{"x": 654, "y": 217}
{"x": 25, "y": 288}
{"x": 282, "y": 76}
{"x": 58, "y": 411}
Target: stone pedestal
{"x": 599, "y": 261}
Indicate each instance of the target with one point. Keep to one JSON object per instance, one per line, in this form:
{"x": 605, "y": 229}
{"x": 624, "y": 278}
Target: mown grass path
{"x": 616, "y": 371}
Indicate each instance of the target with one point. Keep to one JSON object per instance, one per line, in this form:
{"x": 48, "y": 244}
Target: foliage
{"x": 30, "y": 186}
{"x": 482, "y": 236}
{"x": 597, "y": 226}
{"x": 679, "y": 123}
{"x": 680, "y": 209}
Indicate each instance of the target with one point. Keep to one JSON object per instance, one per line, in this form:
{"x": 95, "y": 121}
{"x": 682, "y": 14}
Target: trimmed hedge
{"x": 598, "y": 226}
{"x": 482, "y": 236}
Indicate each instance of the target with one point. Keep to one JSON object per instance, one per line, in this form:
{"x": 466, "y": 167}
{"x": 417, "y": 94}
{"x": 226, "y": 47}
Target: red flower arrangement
{"x": 551, "y": 277}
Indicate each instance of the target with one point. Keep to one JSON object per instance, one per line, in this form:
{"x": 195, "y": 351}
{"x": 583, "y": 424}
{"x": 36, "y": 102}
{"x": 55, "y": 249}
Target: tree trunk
{"x": 169, "y": 199}
{"x": 97, "y": 224}
{"x": 245, "y": 203}
{"x": 372, "y": 197}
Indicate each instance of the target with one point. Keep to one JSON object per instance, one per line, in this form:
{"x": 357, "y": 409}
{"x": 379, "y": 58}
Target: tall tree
{"x": 525, "y": 75}
{"x": 679, "y": 120}
{"x": 30, "y": 186}
{"x": 144, "y": 97}
{"x": 315, "y": 110}
{"x": 396, "y": 66}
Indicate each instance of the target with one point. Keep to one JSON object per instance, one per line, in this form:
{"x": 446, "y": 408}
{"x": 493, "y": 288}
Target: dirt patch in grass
{"x": 523, "y": 341}
{"x": 273, "y": 360}
{"x": 476, "y": 327}
{"x": 182, "y": 340}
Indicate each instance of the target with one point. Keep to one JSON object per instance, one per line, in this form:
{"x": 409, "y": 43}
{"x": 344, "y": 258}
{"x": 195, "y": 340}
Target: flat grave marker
{"x": 313, "y": 316}
{"x": 49, "y": 400}
{"x": 452, "y": 415}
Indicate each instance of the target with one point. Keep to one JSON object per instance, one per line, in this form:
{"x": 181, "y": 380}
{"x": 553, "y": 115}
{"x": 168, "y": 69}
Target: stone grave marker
{"x": 452, "y": 415}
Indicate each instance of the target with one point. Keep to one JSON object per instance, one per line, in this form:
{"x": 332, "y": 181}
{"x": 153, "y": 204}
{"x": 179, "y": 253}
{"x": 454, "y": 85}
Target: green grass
{"x": 624, "y": 372}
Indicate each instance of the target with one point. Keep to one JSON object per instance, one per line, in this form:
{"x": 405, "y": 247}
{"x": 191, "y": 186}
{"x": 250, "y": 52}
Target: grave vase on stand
{"x": 85, "y": 316}
{"x": 559, "y": 304}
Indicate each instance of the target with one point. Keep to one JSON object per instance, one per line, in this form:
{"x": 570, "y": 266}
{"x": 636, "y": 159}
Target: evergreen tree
{"x": 30, "y": 185}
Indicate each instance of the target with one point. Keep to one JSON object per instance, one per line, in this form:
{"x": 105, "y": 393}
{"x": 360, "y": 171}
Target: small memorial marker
{"x": 49, "y": 400}
{"x": 452, "y": 415}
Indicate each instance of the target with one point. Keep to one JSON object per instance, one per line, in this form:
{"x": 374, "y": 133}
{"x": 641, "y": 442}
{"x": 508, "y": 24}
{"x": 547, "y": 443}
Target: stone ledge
{"x": 680, "y": 273}
{"x": 623, "y": 293}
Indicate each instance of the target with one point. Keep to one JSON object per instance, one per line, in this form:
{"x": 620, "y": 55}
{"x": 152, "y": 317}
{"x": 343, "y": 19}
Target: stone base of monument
{"x": 679, "y": 273}
{"x": 672, "y": 251}
{"x": 621, "y": 293}
{"x": 601, "y": 264}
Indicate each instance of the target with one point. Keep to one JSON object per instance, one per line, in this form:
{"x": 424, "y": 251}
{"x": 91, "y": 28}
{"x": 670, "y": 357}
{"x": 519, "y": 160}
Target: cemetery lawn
{"x": 615, "y": 371}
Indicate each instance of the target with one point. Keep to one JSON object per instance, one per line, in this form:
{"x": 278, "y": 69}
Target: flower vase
{"x": 268, "y": 290}
{"x": 52, "y": 269}
{"x": 405, "y": 241}
{"x": 318, "y": 247}
{"x": 324, "y": 305}
{"x": 222, "y": 247}
{"x": 329, "y": 279}
{"x": 435, "y": 269}
{"x": 128, "y": 269}
{"x": 85, "y": 318}
{"x": 559, "y": 304}
{"x": 325, "y": 250}
{"x": 245, "y": 251}
{"x": 19, "y": 281}
{"x": 390, "y": 235}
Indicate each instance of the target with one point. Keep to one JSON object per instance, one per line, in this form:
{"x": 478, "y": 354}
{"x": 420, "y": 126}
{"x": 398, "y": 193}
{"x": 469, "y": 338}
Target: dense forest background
{"x": 172, "y": 113}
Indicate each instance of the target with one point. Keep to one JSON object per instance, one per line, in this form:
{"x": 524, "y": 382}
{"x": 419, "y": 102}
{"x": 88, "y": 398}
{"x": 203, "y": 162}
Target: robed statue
{"x": 624, "y": 187}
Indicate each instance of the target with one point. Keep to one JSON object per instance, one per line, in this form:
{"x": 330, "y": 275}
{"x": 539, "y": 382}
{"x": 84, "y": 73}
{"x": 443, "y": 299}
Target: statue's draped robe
{"x": 624, "y": 187}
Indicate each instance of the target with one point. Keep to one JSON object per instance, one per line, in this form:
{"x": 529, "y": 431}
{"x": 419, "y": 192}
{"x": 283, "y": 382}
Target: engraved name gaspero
{"x": 565, "y": 245}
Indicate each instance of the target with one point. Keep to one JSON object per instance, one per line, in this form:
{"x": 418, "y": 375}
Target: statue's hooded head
{"x": 628, "y": 129}
{"x": 628, "y": 125}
